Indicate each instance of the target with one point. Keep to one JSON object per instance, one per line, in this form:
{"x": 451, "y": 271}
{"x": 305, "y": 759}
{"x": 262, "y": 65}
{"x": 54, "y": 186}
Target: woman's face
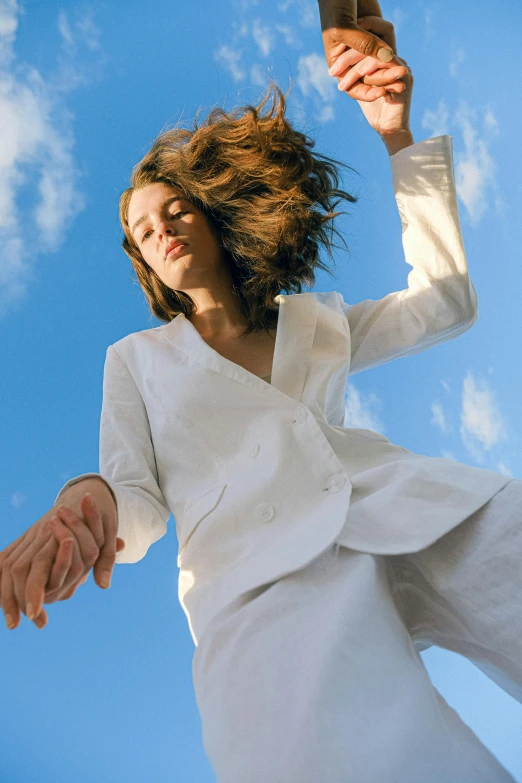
{"x": 157, "y": 215}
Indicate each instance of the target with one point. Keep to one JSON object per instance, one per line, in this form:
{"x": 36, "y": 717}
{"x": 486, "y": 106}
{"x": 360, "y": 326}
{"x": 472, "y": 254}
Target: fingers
{"x": 39, "y": 556}
{"x": 106, "y": 529}
{"x": 385, "y": 78}
{"x": 365, "y": 92}
{"x": 81, "y": 529}
{"x": 344, "y": 60}
{"x": 64, "y": 557}
{"x": 9, "y": 603}
{"x": 104, "y": 566}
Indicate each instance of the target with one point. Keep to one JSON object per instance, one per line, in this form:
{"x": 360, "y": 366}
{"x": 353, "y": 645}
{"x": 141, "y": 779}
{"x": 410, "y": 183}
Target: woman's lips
{"x": 175, "y": 250}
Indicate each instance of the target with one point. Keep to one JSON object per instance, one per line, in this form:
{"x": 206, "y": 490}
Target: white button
{"x": 300, "y": 414}
{"x": 255, "y": 450}
{"x": 336, "y": 482}
{"x": 265, "y": 511}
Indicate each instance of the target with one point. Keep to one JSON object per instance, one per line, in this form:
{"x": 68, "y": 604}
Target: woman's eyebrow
{"x": 144, "y": 217}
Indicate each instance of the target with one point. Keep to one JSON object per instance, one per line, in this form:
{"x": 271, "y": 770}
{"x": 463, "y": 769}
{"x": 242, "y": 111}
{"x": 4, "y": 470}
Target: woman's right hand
{"x": 52, "y": 558}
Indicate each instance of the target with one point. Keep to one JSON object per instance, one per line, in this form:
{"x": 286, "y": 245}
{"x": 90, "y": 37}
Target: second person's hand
{"x": 51, "y": 559}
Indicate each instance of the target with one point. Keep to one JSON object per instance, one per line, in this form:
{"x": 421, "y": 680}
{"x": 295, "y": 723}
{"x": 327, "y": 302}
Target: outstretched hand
{"x": 54, "y": 556}
{"x": 384, "y": 92}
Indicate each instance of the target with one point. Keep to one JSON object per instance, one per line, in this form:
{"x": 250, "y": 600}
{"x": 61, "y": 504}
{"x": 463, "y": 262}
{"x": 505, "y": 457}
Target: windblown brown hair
{"x": 256, "y": 178}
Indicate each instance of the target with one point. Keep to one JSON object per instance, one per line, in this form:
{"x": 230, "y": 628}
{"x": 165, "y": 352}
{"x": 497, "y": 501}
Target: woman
{"x": 315, "y": 560}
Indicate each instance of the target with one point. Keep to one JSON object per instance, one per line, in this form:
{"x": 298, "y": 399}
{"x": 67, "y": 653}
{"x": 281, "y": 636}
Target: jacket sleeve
{"x": 127, "y": 462}
{"x": 440, "y": 301}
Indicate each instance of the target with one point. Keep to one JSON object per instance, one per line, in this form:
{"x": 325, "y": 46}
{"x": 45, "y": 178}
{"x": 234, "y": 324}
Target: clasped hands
{"x": 361, "y": 52}
{"x": 55, "y": 555}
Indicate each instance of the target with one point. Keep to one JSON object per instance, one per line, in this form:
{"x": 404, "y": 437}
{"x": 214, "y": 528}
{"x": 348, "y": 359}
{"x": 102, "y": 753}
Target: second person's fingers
{"x": 383, "y": 78}
{"x": 64, "y": 557}
{"x": 38, "y": 558}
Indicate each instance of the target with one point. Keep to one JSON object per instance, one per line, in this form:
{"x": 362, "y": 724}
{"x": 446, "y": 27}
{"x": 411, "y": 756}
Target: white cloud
{"x": 259, "y": 75}
{"x": 65, "y": 29}
{"x": 8, "y": 25}
{"x": 474, "y": 168}
{"x": 449, "y": 455}
{"x": 360, "y": 411}
{"x": 326, "y": 114}
{"x": 490, "y": 120}
{"x": 230, "y": 59}
{"x": 428, "y": 23}
{"x": 445, "y": 385}
{"x": 481, "y": 423}
{"x": 438, "y": 418}
{"x": 308, "y": 11}
{"x": 397, "y": 18}
{"x": 458, "y": 57}
{"x": 437, "y": 122}
{"x": 263, "y": 37}
{"x": 81, "y": 31}
{"x": 36, "y": 150}
{"x": 17, "y": 498}
{"x": 313, "y": 77}
{"x": 504, "y": 469}
{"x": 289, "y": 34}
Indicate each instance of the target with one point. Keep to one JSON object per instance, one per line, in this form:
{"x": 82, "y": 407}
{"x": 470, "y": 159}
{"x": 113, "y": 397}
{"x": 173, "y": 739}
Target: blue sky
{"x": 104, "y": 692}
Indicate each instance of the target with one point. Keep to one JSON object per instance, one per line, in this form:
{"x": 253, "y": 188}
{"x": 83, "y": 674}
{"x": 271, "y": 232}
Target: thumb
{"x": 364, "y": 42}
{"x": 340, "y": 29}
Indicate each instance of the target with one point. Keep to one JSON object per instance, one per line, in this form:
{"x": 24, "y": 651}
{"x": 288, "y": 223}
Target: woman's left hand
{"x": 382, "y": 90}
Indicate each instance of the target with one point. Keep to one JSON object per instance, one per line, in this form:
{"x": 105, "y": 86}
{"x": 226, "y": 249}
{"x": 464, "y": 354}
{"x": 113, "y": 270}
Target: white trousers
{"x": 317, "y": 677}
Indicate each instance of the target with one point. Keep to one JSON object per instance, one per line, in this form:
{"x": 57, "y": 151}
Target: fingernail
{"x": 9, "y": 619}
{"x": 29, "y": 611}
{"x": 105, "y": 579}
{"x": 385, "y": 55}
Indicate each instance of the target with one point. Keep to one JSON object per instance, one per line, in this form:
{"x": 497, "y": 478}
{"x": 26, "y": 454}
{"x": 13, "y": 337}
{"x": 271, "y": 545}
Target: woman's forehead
{"x": 150, "y": 196}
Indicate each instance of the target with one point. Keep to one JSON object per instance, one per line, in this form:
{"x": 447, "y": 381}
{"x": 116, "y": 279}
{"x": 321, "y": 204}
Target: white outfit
{"x": 263, "y": 478}
{"x": 317, "y": 677}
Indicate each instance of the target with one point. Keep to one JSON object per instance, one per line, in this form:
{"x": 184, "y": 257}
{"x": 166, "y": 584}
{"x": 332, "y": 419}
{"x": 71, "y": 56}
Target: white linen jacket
{"x": 261, "y": 478}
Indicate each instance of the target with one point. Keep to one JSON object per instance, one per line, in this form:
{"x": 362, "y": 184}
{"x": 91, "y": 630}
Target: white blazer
{"x": 261, "y": 478}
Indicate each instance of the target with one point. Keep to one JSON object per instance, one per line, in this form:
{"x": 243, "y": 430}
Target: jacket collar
{"x": 292, "y": 352}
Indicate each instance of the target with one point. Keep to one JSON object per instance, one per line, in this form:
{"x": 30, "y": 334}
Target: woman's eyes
{"x": 147, "y": 233}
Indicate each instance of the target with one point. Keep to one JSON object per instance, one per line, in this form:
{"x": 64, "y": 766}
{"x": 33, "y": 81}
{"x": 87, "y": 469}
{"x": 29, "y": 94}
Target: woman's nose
{"x": 164, "y": 229}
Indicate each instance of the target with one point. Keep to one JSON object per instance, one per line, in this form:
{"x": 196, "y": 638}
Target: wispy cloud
{"x": 17, "y": 499}
{"x": 457, "y": 58}
{"x": 230, "y": 59}
{"x": 397, "y": 18}
{"x": 504, "y": 469}
{"x": 438, "y": 418}
{"x": 362, "y": 411}
{"x": 308, "y": 11}
{"x": 481, "y": 424}
{"x": 475, "y": 170}
{"x": 428, "y": 23}
{"x": 313, "y": 80}
{"x": 449, "y": 455}
{"x": 81, "y": 31}
{"x": 37, "y": 149}
{"x": 289, "y": 34}
{"x": 263, "y": 36}
{"x": 437, "y": 121}
{"x": 259, "y": 74}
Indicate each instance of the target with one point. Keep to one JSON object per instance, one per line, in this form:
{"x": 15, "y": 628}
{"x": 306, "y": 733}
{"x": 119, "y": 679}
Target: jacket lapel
{"x": 293, "y": 346}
